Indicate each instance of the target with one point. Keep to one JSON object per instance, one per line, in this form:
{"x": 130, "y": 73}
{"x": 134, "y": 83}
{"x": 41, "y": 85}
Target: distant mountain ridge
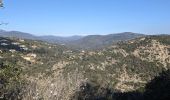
{"x": 100, "y": 41}
{"x": 77, "y": 42}
{"x": 48, "y": 38}
{"x": 17, "y": 34}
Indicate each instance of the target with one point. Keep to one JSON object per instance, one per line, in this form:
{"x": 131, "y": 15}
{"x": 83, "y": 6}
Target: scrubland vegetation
{"x": 137, "y": 69}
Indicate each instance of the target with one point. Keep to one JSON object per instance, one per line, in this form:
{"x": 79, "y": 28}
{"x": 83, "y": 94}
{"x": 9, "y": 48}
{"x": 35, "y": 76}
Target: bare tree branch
{"x": 1, "y": 6}
{"x": 1, "y": 3}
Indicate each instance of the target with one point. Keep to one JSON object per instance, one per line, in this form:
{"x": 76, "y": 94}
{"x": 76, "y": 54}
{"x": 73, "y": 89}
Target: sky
{"x": 85, "y": 17}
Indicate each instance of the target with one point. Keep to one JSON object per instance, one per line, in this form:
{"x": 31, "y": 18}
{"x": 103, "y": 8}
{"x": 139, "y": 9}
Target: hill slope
{"x": 56, "y": 72}
{"x": 101, "y": 41}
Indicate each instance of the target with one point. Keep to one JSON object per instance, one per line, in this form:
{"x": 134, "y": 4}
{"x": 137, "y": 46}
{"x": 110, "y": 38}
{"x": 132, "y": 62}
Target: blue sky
{"x": 83, "y": 17}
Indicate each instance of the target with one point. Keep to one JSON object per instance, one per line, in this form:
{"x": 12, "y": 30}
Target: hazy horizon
{"x": 81, "y": 35}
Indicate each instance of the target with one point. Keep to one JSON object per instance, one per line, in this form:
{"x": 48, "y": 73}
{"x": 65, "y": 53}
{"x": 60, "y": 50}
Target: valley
{"x": 84, "y": 50}
{"x": 42, "y": 70}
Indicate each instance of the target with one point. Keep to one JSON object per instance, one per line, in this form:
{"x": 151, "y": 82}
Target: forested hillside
{"x": 31, "y": 69}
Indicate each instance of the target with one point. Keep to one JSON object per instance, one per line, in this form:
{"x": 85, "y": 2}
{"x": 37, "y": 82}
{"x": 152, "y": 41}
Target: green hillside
{"x": 39, "y": 70}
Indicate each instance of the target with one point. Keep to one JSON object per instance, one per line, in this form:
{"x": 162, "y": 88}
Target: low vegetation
{"x": 34, "y": 70}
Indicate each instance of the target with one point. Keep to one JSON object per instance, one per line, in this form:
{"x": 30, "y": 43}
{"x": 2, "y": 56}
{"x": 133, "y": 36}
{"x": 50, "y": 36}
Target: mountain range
{"x": 77, "y": 42}
{"x": 127, "y": 66}
{"x": 128, "y": 70}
